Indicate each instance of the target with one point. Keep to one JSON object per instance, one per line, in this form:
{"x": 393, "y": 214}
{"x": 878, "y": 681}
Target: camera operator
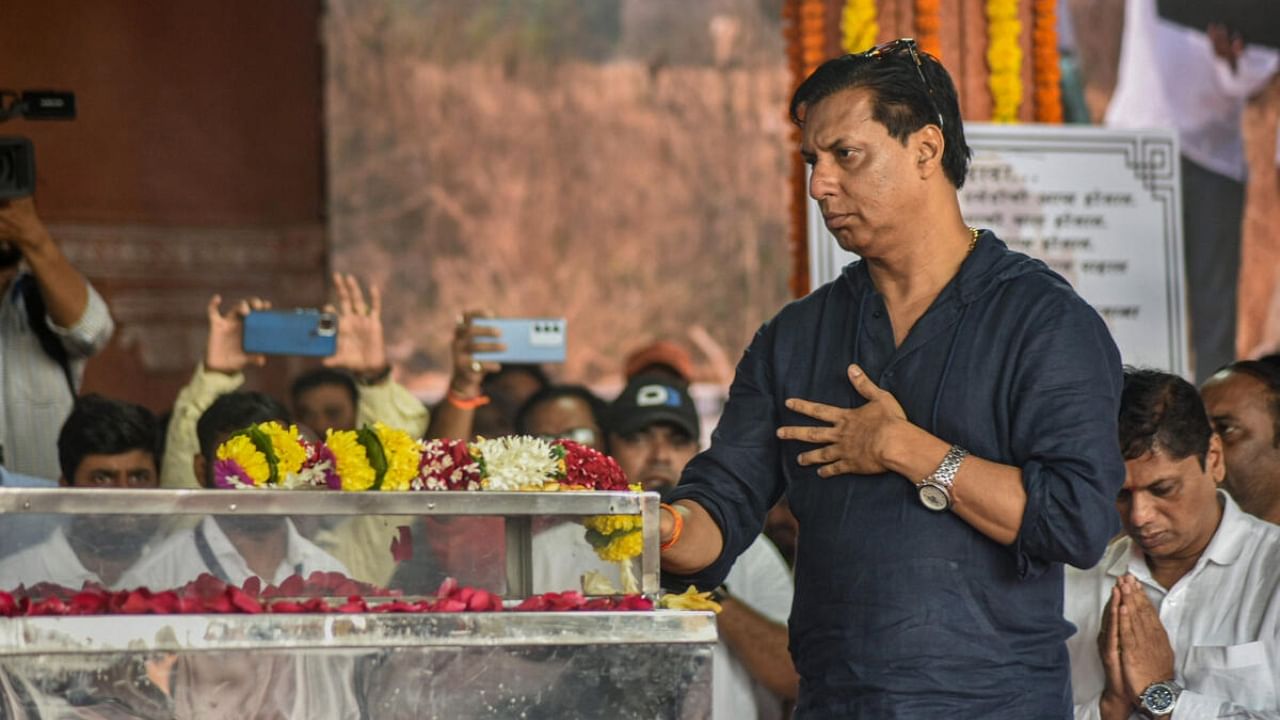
{"x": 51, "y": 322}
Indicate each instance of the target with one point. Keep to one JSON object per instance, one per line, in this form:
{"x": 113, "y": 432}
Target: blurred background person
{"x": 51, "y": 322}
{"x": 103, "y": 444}
{"x": 1243, "y": 400}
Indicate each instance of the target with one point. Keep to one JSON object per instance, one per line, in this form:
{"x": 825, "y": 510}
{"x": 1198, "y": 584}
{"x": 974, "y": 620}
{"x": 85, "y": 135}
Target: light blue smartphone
{"x": 528, "y": 340}
{"x": 312, "y": 333}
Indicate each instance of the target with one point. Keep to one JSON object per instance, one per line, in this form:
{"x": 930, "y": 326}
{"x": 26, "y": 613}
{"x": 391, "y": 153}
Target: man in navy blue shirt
{"x": 942, "y": 419}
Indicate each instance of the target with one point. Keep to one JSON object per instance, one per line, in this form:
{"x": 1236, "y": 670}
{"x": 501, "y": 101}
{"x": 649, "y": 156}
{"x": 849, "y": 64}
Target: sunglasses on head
{"x": 909, "y": 47}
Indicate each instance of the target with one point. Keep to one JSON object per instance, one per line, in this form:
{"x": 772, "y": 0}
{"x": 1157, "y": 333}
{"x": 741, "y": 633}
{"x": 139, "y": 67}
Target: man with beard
{"x": 103, "y": 444}
{"x": 232, "y": 548}
{"x": 51, "y": 322}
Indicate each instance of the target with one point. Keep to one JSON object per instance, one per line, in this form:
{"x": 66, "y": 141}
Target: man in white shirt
{"x": 653, "y": 431}
{"x": 103, "y": 444}
{"x": 1181, "y": 618}
{"x": 1169, "y": 76}
{"x": 232, "y": 548}
{"x": 51, "y": 322}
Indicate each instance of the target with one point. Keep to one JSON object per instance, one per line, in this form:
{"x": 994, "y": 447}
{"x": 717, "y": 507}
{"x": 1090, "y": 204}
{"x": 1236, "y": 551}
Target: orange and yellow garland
{"x": 804, "y": 27}
{"x": 1004, "y": 60}
{"x": 1045, "y": 70}
{"x": 929, "y": 26}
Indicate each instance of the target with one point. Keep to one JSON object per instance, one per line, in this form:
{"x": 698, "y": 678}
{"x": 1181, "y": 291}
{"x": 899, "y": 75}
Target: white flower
{"x": 511, "y": 463}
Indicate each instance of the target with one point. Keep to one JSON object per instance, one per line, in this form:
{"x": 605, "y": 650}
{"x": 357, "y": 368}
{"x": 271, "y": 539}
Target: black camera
{"x": 17, "y": 155}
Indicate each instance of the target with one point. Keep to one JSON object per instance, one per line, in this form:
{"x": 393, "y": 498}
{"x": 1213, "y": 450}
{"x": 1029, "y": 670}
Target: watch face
{"x": 1158, "y": 698}
{"x": 934, "y": 497}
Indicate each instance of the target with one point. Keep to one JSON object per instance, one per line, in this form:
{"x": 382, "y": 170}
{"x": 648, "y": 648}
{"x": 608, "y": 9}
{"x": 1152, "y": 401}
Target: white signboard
{"x": 1101, "y": 207}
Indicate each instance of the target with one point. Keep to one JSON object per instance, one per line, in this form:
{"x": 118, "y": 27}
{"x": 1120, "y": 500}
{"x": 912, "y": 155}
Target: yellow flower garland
{"x": 859, "y": 26}
{"x": 243, "y": 452}
{"x": 402, "y": 453}
{"x": 290, "y": 455}
{"x": 1004, "y": 60}
{"x": 353, "y": 462}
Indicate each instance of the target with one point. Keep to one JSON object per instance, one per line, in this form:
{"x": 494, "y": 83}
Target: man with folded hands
{"x": 1181, "y": 619}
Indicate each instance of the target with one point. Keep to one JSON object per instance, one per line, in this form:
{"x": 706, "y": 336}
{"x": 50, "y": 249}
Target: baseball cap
{"x": 651, "y": 399}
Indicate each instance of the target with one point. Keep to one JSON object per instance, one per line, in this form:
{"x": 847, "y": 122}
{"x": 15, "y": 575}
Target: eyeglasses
{"x": 580, "y": 435}
{"x": 908, "y": 45}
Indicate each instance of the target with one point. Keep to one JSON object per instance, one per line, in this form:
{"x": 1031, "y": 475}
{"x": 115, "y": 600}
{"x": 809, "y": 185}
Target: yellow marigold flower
{"x": 624, "y": 547}
{"x": 402, "y": 453}
{"x": 289, "y": 453}
{"x": 244, "y": 453}
{"x": 353, "y": 462}
{"x": 610, "y": 524}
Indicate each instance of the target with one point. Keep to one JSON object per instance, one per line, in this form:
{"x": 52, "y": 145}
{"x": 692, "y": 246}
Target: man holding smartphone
{"x": 361, "y": 351}
{"x": 51, "y": 322}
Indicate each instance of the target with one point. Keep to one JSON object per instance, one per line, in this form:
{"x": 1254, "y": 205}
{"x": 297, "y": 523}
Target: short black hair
{"x": 101, "y": 426}
{"x": 534, "y": 371}
{"x": 324, "y": 376}
{"x": 599, "y": 409}
{"x": 1267, "y": 372}
{"x": 236, "y": 411}
{"x": 1159, "y": 410}
{"x": 901, "y": 101}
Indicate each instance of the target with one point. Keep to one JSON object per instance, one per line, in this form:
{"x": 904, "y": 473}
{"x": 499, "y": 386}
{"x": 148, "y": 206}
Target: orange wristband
{"x": 462, "y": 403}
{"x": 676, "y": 529}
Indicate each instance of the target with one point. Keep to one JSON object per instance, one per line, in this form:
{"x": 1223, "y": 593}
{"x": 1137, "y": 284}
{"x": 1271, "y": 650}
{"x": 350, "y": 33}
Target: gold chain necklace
{"x": 973, "y": 237}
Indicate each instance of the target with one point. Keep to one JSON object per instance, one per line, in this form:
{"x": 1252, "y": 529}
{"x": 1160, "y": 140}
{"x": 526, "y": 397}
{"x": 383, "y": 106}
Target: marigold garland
{"x": 268, "y": 455}
{"x": 929, "y": 27}
{"x": 859, "y": 26}
{"x": 1046, "y": 71}
{"x": 1004, "y": 59}
{"x": 351, "y": 460}
{"x": 804, "y": 29}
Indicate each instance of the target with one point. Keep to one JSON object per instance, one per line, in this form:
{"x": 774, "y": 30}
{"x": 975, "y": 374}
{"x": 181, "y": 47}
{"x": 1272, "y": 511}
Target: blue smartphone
{"x": 528, "y": 340}
{"x": 313, "y": 333}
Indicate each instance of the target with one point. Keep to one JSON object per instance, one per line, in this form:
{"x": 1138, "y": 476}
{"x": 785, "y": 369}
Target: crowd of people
{"x": 652, "y": 428}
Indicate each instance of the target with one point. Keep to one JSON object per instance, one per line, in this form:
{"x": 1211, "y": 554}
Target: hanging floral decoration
{"x": 859, "y": 26}
{"x": 1046, "y": 70}
{"x": 929, "y": 26}
{"x": 1004, "y": 60}
{"x": 804, "y": 30}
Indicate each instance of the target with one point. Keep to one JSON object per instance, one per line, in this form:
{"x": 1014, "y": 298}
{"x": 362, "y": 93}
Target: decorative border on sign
{"x": 1152, "y": 157}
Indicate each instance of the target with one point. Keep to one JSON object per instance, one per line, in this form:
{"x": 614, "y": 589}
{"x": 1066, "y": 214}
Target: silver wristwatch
{"x": 1160, "y": 698}
{"x": 935, "y": 490}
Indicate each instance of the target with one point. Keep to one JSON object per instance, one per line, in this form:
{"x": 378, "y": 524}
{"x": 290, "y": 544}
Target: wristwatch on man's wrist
{"x": 935, "y": 490}
{"x": 1160, "y": 698}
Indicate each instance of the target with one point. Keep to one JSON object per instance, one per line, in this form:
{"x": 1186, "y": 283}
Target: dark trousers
{"x": 1212, "y": 210}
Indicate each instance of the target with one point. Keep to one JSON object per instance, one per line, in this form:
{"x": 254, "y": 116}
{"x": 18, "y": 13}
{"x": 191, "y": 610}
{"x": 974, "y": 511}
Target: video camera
{"x": 17, "y": 155}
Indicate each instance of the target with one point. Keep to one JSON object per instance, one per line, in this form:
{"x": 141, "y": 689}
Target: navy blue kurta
{"x": 901, "y": 612}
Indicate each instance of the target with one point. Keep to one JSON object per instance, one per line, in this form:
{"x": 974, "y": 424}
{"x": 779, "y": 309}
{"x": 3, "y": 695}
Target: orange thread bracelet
{"x": 676, "y": 529}
{"x": 462, "y": 403}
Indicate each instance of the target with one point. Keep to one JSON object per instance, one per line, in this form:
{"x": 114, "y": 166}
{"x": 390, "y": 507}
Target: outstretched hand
{"x": 854, "y": 439}
{"x": 362, "y": 350}
{"x": 224, "y": 351}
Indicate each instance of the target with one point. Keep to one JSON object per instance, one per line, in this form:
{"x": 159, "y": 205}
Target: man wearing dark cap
{"x": 653, "y": 432}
